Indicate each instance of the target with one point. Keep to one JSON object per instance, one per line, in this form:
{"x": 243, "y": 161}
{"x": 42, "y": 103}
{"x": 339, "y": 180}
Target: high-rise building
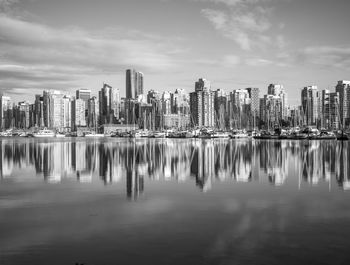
{"x": 153, "y": 95}
{"x": 21, "y": 114}
{"x": 83, "y": 94}
{"x": 5, "y": 112}
{"x": 67, "y": 113}
{"x": 239, "y": 108}
{"x": 254, "y": 100}
{"x": 202, "y": 104}
{"x": 343, "y": 88}
{"x": 202, "y": 85}
{"x": 93, "y": 112}
{"x": 38, "y": 117}
{"x": 221, "y": 108}
{"x": 109, "y": 108}
{"x": 180, "y": 102}
{"x": 46, "y": 108}
{"x": 104, "y": 99}
{"x": 134, "y": 84}
{"x": 57, "y": 110}
{"x": 114, "y": 105}
{"x": 329, "y": 110}
{"x": 166, "y": 102}
{"x": 278, "y": 90}
{"x": 271, "y": 110}
{"x": 310, "y": 101}
{"x": 78, "y": 113}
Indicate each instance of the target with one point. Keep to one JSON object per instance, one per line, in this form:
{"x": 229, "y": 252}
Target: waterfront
{"x": 173, "y": 201}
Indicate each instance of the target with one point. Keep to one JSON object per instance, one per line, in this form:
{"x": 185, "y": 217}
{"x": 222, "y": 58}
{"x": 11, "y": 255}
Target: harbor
{"x": 306, "y": 133}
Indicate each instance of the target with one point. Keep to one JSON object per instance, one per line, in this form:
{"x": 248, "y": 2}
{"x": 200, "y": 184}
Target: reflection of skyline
{"x": 203, "y": 161}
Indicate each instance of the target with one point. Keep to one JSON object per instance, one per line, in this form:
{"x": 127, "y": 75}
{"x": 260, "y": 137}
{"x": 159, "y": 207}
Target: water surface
{"x": 173, "y": 201}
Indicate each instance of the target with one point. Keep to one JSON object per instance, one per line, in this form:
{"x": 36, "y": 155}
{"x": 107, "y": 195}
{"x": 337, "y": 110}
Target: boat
{"x": 44, "y": 133}
{"x": 324, "y": 135}
{"x": 139, "y": 134}
{"x": 6, "y": 134}
{"x": 220, "y": 134}
{"x": 159, "y": 134}
{"x": 205, "y": 135}
{"x": 93, "y": 135}
{"x": 342, "y": 137}
{"x": 60, "y": 135}
{"x": 239, "y": 134}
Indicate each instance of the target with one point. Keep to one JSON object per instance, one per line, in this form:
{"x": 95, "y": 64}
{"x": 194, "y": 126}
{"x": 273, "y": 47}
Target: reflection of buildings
{"x": 202, "y": 161}
{"x": 6, "y": 161}
{"x": 274, "y": 158}
{"x": 342, "y": 170}
{"x": 202, "y": 166}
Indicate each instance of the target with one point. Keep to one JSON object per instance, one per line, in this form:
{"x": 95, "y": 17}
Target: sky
{"x": 72, "y": 44}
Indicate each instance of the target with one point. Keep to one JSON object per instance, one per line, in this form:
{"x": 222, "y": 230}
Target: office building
{"x": 310, "y": 101}
{"x": 202, "y": 104}
{"x": 93, "y": 112}
{"x": 5, "y": 112}
{"x": 343, "y": 88}
{"x": 78, "y": 113}
{"x": 134, "y": 84}
{"x": 278, "y": 90}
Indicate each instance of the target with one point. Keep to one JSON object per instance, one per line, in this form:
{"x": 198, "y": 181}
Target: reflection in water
{"x": 204, "y": 161}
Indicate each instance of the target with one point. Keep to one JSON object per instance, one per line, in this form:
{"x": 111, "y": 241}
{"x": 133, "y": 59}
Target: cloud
{"x": 37, "y": 54}
{"x": 245, "y": 22}
{"x": 330, "y": 56}
{"x": 233, "y": 3}
{"x": 258, "y": 62}
{"x": 231, "y": 60}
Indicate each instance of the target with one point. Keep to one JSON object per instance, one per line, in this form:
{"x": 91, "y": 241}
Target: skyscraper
{"x": 278, "y": 90}
{"x": 221, "y": 108}
{"x": 5, "y": 112}
{"x": 78, "y": 113}
{"x": 83, "y": 94}
{"x": 93, "y": 112}
{"x": 310, "y": 101}
{"x": 254, "y": 100}
{"x": 104, "y": 99}
{"x": 57, "y": 110}
{"x": 38, "y": 119}
{"x": 134, "y": 84}
{"x": 202, "y": 104}
{"x": 343, "y": 88}
{"x": 22, "y": 115}
{"x": 114, "y": 105}
{"x": 239, "y": 108}
{"x": 109, "y": 100}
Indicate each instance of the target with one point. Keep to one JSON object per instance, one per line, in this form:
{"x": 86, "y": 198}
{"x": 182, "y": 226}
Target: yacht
{"x": 239, "y": 135}
{"x": 219, "y": 134}
{"x": 159, "y": 135}
{"x": 44, "y": 133}
{"x": 60, "y": 135}
{"x": 93, "y": 134}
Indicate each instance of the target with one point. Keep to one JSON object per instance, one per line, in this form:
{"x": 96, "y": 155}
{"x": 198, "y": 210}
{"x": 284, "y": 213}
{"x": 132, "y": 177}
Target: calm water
{"x": 150, "y": 201}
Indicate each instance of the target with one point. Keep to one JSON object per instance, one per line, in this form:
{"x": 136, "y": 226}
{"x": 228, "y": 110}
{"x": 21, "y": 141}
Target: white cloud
{"x": 231, "y": 60}
{"x": 245, "y": 22}
{"x": 330, "y": 56}
{"x": 33, "y": 54}
{"x": 258, "y": 62}
{"x": 218, "y": 18}
{"x": 233, "y": 3}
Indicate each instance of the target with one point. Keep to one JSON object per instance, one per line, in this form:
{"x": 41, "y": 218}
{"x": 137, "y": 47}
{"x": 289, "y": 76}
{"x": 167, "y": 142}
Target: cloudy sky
{"x": 71, "y": 44}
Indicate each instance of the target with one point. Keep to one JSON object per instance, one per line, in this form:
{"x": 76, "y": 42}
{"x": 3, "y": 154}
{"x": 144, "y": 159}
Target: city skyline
{"x": 234, "y": 44}
{"x": 204, "y": 108}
